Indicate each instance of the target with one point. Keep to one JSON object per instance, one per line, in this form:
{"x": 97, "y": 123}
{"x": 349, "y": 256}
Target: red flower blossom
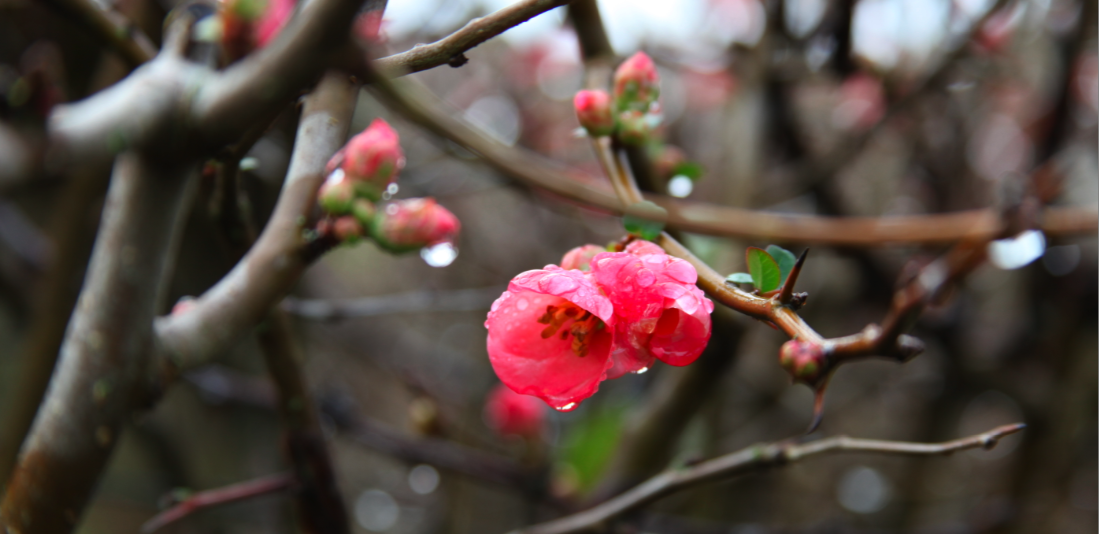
{"x": 512, "y": 414}
{"x": 557, "y": 333}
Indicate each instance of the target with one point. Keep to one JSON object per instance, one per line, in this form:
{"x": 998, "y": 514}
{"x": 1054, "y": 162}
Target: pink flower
{"x": 580, "y": 257}
{"x": 557, "y": 333}
{"x": 404, "y": 225}
{"x": 636, "y": 83}
{"x": 593, "y": 110}
{"x": 550, "y": 335}
{"x": 509, "y": 413}
{"x": 660, "y": 312}
{"x": 371, "y": 160}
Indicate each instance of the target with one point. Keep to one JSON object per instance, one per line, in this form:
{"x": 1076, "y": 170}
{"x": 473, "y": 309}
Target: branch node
{"x": 457, "y": 60}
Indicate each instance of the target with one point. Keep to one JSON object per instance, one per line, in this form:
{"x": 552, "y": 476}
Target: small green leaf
{"x": 689, "y": 169}
{"x": 739, "y": 278}
{"x": 785, "y": 260}
{"x": 766, "y": 275}
{"x": 645, "y": 219}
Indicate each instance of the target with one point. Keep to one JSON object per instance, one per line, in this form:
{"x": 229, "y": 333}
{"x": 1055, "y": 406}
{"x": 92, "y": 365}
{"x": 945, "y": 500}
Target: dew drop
{"x": 521, "y": 304}
{"x": 439, "y": 255}
{"x": 1018, "y": 251}
{"x": 641, "y": 371}
{"x": 680, "y": 186}
{"x": 645, "y": 278}
{"x": 336, "y": 176}
{"x": 566, "y": 407}
{"x": 390, "y": 190}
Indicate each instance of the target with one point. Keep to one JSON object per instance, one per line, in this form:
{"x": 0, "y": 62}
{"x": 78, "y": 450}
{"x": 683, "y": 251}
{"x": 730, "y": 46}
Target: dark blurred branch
{"x": 752, "y": 459}
{"x": 217, "y": 497}
{"x": 105, "y": 351}
{"x": 450, "y": 49}
{"x": 535, "y": 170}
{"x": 55, "y": 300}
{"x": 111, "y": 27}
{"x": 412, "y": 302}
{"x": 320, "y": 506}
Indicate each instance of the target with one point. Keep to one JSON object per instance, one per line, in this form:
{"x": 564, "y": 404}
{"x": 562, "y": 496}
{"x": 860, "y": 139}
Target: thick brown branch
{"x": 243, "y": 298}
{"x": 450, "y": 49}
{"x": 752, "y": 459}
{"x": 217, "y": 497}
{"x": 534, "y": 170}
{"x": 105, "y": 349}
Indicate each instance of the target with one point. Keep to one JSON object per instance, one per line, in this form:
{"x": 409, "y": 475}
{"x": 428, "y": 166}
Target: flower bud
{"x": 347, "y": 229}
{"x": 372, "y": 159}
{"x": 804, "y": 360}
{"x": 405, "y": 225}
{"x": 593, "y": 109}
{"x": 336, "y": 195}
{"x": 634, "y": 127}
{"x": 509, "y": 413}
{"x": 364, "y": 212}
{"x": 636, "y": 83}
{"x": 580, "y": 257}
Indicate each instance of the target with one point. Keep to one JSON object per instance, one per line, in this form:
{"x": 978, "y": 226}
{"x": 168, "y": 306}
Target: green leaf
{"x": 645, "y": 219}
{"x": 766, "y": 275}
{"x": 590, "y": 443}
{"x": 739, "y": 278}
{"x": 785, "y": 260}
{"x": 689, "y": 169}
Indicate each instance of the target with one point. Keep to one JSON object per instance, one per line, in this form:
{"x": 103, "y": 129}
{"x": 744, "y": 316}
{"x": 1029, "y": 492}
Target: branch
{"x": 112, "y": 28}
{"x": 417, "y": 105}
{"x": 217, "y": 497}
{"x": 105, "y": 350}
{"x": 450, "y": 49}
{"x": 411, "y": 302}
{"x": 243, "y": 297}
{"x": 753, "y": 459}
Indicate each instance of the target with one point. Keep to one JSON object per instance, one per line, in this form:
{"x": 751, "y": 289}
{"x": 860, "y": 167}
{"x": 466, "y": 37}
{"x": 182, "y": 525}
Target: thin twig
{"x": 450, "y": 49}
{"x": 411, "y": 302}
{"x": 216, "y": 497}
{"x": 752, "y": 459}
{"x": 534, "y": 170}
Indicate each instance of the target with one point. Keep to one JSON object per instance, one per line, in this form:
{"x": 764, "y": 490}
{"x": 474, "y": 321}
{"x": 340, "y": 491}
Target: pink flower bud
{"x": 636, "y": 83}
{"x": 405, "y": 225}
{"x": 347, "y": 229}
{"x": 580, "y": 257}
{"x": 804, "y": 360}
{"x": 336, "y": 195}
{"x": 512, "y": 414}
{"x": 372, "y": 159}
{"x": 364, "y": 211}
{"x": 634, "y": 127}
{"x": 593, "y": 109}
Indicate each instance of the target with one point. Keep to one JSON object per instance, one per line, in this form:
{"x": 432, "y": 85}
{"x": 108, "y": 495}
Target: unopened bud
{"x": 411, "y": 224}
{"x": 580, "y": 257}
{"x": 347, "y": 229}
{"x": 636, "y": 83}
{"x": 509, "y": 413}
{"x": 337, "y": 194}
{"x": 372, "y": 159}
{"x": 364, "y": 212}
{"x": 804, "y": 360}
{"x": 593, "y": 109}
{"x": 634, "y": 127}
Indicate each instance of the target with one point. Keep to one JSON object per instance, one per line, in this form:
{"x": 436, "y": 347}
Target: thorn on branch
{"x": 786, "y": 295}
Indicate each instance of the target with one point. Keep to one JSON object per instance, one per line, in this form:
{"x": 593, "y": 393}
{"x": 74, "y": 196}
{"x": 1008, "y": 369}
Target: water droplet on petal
{"x": 392, "y": 188}
{"x": 521, "y": 304}
{"x": 566, "y": 407}
{"x": 1015, "y": 252}
{"x": 680, "y": 186}
{"x": 336, "y": 176}
{"x": 641, "y": 371}
{"x": 439, "y": 255}
{"x": 557, "y": 284}
{"x": 645, "y": 278}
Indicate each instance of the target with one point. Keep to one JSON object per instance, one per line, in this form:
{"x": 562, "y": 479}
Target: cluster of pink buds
{"x": 557, "y": 332}
{"x": 633, "y": 112}
{"x": 364, "y": 172}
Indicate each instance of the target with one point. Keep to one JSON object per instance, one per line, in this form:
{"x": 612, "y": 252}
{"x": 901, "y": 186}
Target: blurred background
{"x": 754, "y": 92}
